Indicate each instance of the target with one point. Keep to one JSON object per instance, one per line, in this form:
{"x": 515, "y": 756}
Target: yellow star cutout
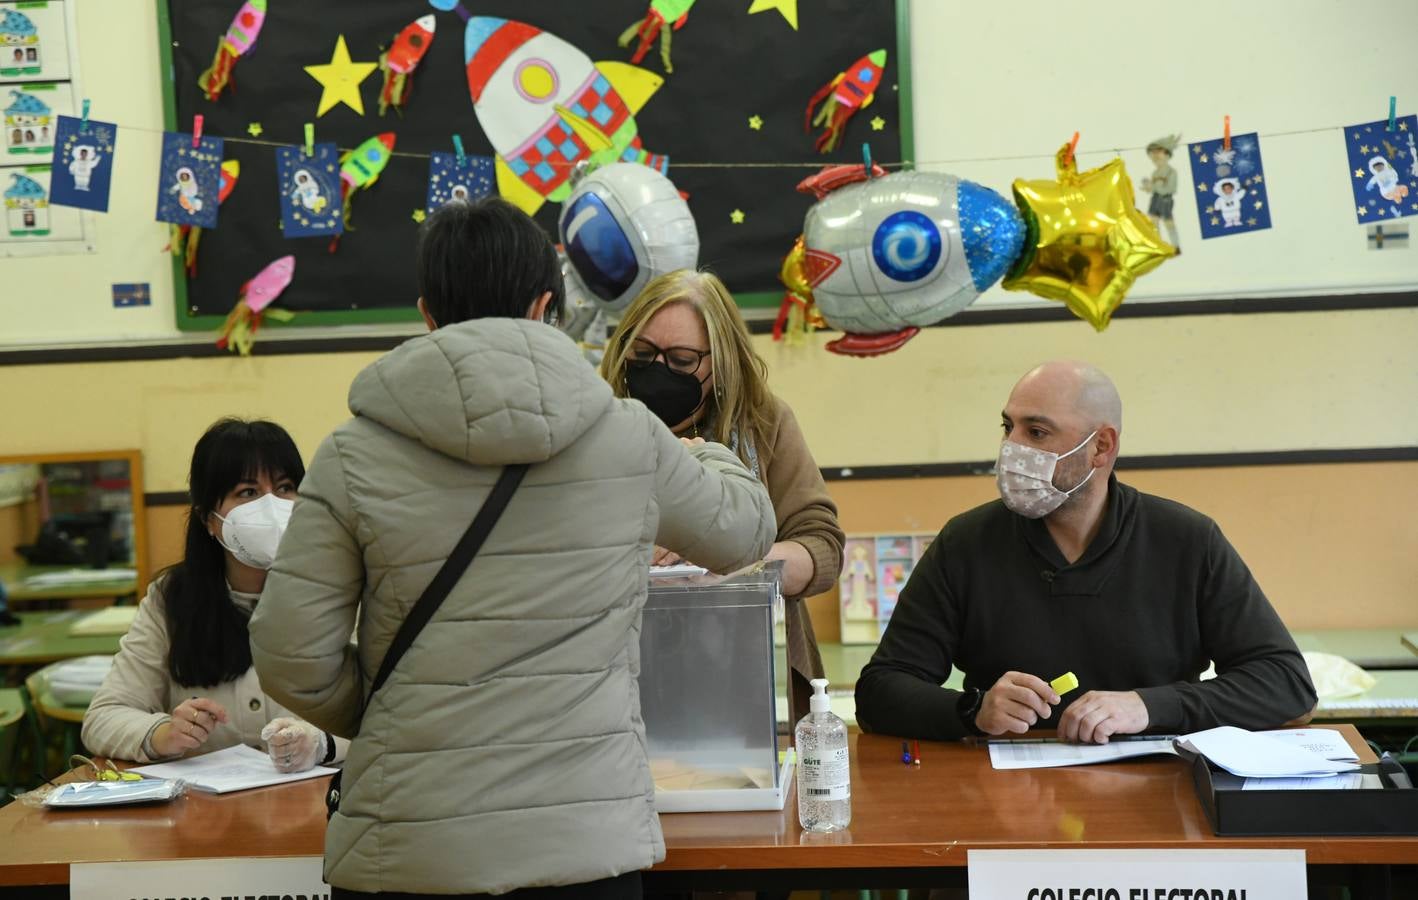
{"x": 878, "y": 123}
{"x": 755, "y": 122}
{"x": 1402, "y": 126}
{"x": 254, "y": 129}
{"x": 1251, "y": 222}
{"x": 736, "y": 217}
{"x": 340, "y": 79}
{"x": 1259, "y": 204}
{"x": 1358, "y": 173}
{"x": 787, "y": 8}
{"x": 1363, "y": 211}
{"x": 1201, "y": 187}
{"x": 1210, "y": 210}
{"x": 419, "y": 215}
{"x": 1215, "y": 221}
{"x": 1203, "y": 158}
{"x": 1257, "y": 179}
{"x": 1364, "y": 149}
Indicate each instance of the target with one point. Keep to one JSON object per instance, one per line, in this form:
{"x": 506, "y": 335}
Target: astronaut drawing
{"x": 189, "y": 194}
{"x": 1384, "y": 179}
{"x": 306, "y": 192}
{"x": 82, "y": 166}
{"x": 1229, "y": 194}
{"x": 459, "y": 193}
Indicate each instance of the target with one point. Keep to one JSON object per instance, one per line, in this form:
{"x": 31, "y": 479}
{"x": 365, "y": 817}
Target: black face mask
{"x": 670, "y": 395}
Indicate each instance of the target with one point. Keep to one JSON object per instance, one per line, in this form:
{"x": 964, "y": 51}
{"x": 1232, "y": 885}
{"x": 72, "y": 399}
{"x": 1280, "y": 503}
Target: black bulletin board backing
{"x": 728, "y": 67}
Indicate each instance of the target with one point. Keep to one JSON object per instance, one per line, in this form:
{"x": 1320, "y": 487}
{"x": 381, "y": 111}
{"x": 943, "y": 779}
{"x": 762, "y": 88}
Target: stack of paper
{"x": 1047, "y": 753}
{"x": 1251, "y": 755}
{"x": 108, "y": 621}
{"x": 677, "y": 571}
{"x": 1325, "y": 741}
{"x": 79, "y": 576}
{"x": 236, "y": 768}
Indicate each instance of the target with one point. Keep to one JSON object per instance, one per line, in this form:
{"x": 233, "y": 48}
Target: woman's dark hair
{"x": 207, "y": 635}
{"x": 486, "y": 260}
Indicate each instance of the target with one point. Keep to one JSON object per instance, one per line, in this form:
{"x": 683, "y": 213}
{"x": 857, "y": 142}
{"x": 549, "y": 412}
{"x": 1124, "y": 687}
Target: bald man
{"x": 1073, "y": 571}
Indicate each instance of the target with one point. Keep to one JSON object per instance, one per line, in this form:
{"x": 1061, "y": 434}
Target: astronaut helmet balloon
{"x": 623, "y": 225}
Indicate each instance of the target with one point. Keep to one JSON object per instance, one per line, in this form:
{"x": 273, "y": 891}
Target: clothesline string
{"x": 774, "y": 165}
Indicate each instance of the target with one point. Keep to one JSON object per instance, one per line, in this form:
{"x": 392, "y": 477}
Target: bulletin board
{"x": 730, "y": 117}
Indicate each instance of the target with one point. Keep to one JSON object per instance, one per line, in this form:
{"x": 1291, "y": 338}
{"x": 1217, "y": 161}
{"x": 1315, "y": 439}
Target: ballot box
{"x": 708, "y": 691}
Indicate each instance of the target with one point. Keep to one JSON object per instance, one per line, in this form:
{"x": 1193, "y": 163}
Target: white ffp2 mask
{"x": 1025, "y": 476}
{"x": 252, "y": 531}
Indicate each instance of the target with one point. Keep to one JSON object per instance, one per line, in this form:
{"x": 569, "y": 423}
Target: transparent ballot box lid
{"x": 711, "y": 683}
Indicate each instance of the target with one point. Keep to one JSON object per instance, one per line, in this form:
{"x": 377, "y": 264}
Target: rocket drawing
{"x": 360, "y": 168}
{"x": 400, "y": 60}
{"x": 545, "y": 106}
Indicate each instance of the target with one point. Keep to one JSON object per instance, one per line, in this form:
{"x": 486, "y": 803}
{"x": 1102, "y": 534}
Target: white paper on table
{"x": 1325, "y": 741}
{"x": 236, "y": 768}
{"x": 1050, "y": 754}
{"x": 1251, "y": 755}
{"x": 677, "y": 571}
{"x": 1346, "y": 782}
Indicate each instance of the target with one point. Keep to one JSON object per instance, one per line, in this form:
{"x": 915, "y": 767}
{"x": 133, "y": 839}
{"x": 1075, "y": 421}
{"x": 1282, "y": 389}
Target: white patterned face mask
{"x": 252, "y": 531}
{"x": 1025, "y": 476}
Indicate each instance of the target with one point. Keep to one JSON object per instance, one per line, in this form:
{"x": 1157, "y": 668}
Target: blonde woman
{"x": 682, "y": 349}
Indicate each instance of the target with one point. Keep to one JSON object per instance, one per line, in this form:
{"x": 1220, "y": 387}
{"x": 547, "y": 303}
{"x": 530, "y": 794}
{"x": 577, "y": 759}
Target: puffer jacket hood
{"x": 540, "y": 402}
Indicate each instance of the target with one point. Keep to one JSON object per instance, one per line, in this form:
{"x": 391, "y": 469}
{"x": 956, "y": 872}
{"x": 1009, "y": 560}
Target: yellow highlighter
{"x": 1064, "y": 683}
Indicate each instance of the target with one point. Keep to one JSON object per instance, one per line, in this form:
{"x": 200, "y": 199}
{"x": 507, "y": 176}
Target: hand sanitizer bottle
{"x": 824, "y": 777}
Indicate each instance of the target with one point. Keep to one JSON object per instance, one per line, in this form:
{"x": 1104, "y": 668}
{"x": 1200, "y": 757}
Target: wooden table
{"x": 911, "y": 826}
{"x": 43, "y": 637}
{"x": 14, "y": 576}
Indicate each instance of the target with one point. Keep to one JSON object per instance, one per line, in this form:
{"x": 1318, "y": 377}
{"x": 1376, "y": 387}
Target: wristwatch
{"x": 968, "y": 707}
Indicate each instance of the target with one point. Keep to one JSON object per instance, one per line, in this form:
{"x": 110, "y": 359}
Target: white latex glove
{"x": 294, "y": 745}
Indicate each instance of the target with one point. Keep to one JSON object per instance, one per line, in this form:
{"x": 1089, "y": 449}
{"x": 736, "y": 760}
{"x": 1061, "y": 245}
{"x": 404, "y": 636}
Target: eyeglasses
{"x": 685, "y": 360}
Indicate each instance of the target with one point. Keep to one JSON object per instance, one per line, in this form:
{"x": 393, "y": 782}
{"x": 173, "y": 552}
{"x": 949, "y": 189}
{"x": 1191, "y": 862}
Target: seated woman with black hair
{"x": 182, "y": 682}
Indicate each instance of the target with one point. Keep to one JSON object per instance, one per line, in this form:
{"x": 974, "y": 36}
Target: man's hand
{"x": 1015, "y": 703}
{"x": 1098, "y": 715}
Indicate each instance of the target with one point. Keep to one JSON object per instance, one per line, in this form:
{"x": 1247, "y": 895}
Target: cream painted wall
{"x": 68, "y": 299}
{"x": 1190, "y": 385}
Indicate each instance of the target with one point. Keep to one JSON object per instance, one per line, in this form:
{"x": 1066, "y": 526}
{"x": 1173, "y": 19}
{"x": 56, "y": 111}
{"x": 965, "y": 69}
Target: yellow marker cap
{"x": 1064, "y": 683}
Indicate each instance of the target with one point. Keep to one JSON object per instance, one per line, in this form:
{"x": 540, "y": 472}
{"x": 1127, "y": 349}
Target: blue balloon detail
{"x": 992, "y": 230}
{"x": 603, "y": 255}
{"x": 445, "y": 5}
{"x": 906, "y": 245}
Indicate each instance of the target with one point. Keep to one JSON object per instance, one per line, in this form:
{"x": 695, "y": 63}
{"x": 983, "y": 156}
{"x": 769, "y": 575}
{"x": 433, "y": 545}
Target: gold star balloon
{"x": 1087, "y": 242}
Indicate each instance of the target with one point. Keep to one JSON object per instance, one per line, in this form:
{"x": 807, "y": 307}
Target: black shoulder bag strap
{"x": 437, "y": 590}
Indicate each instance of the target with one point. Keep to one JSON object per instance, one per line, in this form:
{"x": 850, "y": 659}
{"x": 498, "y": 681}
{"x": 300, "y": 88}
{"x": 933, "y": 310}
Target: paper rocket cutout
{"x": 239, "y": 330}
{"x": 240, "y": 37}
{"x": 400, "y": 60}
{"x": 849, "y": 92}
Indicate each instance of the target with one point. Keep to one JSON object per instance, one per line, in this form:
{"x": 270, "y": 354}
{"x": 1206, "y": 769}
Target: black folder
{"x": 1389, "y": 807}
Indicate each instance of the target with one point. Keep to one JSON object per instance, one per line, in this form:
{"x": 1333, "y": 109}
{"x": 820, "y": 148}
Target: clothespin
{"x": 1072, "y": 147}
{"x": 1392, "y": 113}
{"x": 84, "y": 123}
{"x": 1226, "y": 141}
{"x": 458, "y": 149}
{"x": 309, "y": 139}
{"x": 196, "y": 131}
{"x": 866, "y": 159}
